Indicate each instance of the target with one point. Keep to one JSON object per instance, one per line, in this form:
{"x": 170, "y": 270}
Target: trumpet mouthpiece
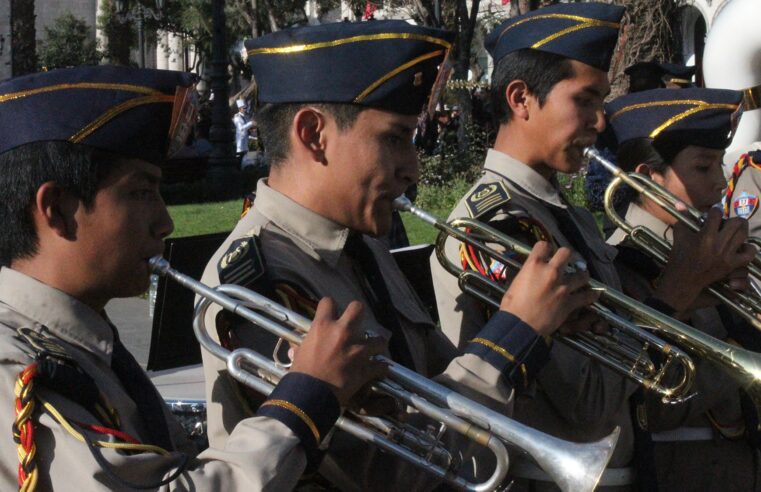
{"x": 158, "y": 265}
{"x": 402, "y": 203}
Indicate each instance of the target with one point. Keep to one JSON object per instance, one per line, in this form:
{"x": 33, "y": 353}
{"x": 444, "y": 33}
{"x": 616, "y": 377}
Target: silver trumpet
{"x": 745, "y": 305}
{"x": 574, "y": 467}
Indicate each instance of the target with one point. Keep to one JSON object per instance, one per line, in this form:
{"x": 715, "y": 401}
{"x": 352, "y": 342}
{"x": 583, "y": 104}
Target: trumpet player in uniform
{"x": 338, "y": 107}
{"x": 548, "y": 86}
{"x": 677, "y": 139}
{"x": 81, "y": 215}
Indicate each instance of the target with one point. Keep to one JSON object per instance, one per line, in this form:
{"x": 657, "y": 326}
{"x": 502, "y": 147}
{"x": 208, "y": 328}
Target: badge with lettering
{"x": 485, "y": 197}
{"x": 745, "y": 205}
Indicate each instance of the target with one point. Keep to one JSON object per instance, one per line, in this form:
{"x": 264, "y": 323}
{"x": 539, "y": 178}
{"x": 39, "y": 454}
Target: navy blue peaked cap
{"x": 586, "y": 32}
{"x": 388, "y": 64}
{"x": 139, "y": 113}
{"x": 654, "y": 75}
{"x": 691, "y": 116}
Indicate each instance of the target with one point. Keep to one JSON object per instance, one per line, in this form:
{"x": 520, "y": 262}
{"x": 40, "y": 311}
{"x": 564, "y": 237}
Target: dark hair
{"x": 640, "y": 151}
{"x": 631, "y": 154}
{"x": 76, "y": 168}
{"x": 274, "y": 122}
{"x": 538, "y": 69}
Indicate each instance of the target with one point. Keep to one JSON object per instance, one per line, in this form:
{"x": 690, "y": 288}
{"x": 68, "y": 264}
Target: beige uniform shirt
{"x": 745, "y": 199}
{"x": 306, "y": 250}
{"x": 574, "y": 397}
{"x": 261, "y": 454}
{"x": 687, "y": 443}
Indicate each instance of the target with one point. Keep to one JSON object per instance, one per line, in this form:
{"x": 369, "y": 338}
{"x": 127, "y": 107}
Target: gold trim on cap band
{"x": 117, "y": 110}
{"x": 687, "y": 113}
{"x": 79, "y": 85}
{"x": 401, "y": 68}
{"x": 677, "y": 80}
{"x": 299, "y": 48}
{"x": 670, "y": 102}
{"x": 584, "y": 23}
{"x": 752, "y": 98}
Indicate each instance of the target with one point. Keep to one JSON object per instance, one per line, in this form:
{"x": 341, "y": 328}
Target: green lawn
{"x": 207, "y": 218}
{"x": 204, "y": 218}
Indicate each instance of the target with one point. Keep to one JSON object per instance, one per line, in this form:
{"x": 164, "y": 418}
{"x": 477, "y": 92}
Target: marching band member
{"x": 677, "y": 139}
{"x": 548, "y": 86}
{"x": 339, "y": 107}
{"x": 81, "y": 215}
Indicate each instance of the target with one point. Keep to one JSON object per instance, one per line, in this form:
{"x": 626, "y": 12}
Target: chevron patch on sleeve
{"x": 485, "y": 197}
{"x": 242, "y": 264}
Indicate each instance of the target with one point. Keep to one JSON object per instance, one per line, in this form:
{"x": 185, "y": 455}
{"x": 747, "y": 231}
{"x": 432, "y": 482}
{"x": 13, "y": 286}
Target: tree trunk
{"x": 467, "y": 23}
{"x": 23, "y": 38}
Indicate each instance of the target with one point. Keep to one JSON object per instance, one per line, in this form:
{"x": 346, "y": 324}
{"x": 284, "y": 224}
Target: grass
{"x": 207, "y": 218}
{"x": 204, "y": 218}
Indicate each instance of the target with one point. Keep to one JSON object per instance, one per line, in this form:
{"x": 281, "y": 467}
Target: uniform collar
{"x": 64, "y": 316}
{"x": 317, "y": 236}
{"x": 524, "y": 177}
{"x": 638, "y": 216}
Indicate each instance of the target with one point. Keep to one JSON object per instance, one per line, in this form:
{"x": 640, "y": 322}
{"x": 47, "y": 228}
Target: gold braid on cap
{"x": 697, "y": 106}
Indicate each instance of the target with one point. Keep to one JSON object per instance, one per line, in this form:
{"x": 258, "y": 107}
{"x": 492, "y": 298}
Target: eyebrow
{"x": 151, "y": 178}
{"x": 402, "y": 127}
{"x": 596, "y": 92}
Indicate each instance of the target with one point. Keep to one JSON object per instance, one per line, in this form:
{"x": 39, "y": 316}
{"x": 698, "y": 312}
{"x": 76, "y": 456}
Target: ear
{"x": 54, "y": 210}
{"x": 309, "y": 129}
{"x": 650, "y": 172}
{"x": 518, "y": 98}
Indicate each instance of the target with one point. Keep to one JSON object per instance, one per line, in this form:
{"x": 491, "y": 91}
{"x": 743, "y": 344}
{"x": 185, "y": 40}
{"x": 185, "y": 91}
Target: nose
{"x": 163, "y": 225}
{"x": 599, "y": 123}
{"x": 408, "y": 169}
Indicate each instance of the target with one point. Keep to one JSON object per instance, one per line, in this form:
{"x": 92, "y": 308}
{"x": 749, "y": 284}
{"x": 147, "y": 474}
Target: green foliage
{"x": 70, "y": 42}
{"x": 454, "y": 162}
{"x": 572, "y": 187}
{"x": 120, "y": 35}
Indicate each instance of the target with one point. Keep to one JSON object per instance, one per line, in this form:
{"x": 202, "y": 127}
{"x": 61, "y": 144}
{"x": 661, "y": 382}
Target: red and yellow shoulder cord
{"x": 26, "y": 407}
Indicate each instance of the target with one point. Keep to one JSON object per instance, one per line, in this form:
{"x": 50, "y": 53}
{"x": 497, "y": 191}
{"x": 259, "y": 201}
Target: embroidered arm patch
{"x": 486, "y": 197}
{"x": 242, "y": 264}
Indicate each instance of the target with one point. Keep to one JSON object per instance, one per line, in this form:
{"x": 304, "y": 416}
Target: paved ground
{"x": 130, "y": 315}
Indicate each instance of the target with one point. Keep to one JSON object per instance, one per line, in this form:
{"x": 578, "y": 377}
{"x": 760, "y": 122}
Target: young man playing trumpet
{"x": 548, "y": 86}
{"x": 677, "y": 139}
{"x": 339, "y": 142}
{"x": 81, "y": 215}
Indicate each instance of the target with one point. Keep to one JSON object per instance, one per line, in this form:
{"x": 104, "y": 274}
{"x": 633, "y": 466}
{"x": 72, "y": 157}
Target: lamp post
{"x": 139, "y": 15}
{"x": 223, "y": 173}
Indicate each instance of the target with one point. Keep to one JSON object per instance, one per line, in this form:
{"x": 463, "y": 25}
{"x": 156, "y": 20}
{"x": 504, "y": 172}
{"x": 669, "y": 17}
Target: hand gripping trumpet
{"x": 574, "y": 467}
{"x": 746, "y": 305}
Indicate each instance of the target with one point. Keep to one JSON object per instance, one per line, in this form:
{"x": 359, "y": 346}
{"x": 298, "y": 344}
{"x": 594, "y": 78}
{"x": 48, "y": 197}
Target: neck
{"x": 49, "y": 271}
{"x": 656, "y": 211}
{"x": 288, "y": 178}
{"x": 515, "y": 143}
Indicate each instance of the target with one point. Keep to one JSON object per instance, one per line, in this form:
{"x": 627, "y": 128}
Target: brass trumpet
{"x": 740, "y": 364}
{"x": 574, "y": 467}
{"x": 746, "y": 305}
{"x": 624, "y": 358}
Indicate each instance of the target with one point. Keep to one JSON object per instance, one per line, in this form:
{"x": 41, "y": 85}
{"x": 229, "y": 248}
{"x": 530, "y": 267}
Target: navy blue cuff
{"x": 659, "y": 305}
{"x": 308, "y": 407}
{"x": 512, "y": 347}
